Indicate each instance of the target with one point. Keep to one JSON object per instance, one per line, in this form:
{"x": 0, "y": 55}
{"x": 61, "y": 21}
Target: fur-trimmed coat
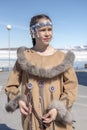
{"x": 53, "y": 82}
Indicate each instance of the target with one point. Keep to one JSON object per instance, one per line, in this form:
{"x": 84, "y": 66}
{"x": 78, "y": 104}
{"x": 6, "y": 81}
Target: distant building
{"x": 79, "y": 51}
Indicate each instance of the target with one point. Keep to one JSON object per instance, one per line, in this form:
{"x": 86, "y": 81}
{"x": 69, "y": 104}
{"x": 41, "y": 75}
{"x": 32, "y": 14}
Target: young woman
{"x": 47, "y": 79}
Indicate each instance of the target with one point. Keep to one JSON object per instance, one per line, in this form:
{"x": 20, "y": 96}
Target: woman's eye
{"x": 42, "y": 30}
{"x": 49, "y": 29}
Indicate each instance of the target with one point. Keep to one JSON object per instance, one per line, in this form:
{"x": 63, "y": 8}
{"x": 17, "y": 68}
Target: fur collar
{"x": 42, "y": 72}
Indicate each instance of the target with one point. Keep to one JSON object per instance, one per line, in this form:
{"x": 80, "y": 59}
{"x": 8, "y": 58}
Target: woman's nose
{"x": 47, "y": 33}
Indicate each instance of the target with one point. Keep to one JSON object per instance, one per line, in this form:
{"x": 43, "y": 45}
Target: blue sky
{"x": 69, "y": 21}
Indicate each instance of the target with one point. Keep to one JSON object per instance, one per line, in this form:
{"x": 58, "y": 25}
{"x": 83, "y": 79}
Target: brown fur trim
{"x": 13, "y": 104}
{"x": 63, "y": 116}
{"x": 41, "y": 72}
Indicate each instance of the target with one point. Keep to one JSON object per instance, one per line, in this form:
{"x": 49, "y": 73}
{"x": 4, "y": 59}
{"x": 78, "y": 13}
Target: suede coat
{"x": 53, "y": 82}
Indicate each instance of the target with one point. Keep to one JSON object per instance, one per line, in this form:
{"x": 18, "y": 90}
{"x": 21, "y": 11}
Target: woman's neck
{"x": 47, "y": 50}
{"x": 42, "y": 48}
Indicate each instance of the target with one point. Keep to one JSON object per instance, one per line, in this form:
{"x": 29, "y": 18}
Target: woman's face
{"x": 43, "y": 34}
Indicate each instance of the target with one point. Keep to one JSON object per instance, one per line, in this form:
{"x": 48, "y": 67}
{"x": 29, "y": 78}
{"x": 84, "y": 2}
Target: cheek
{"x": 51, "y": 32}
{"x": 40, "y": 35}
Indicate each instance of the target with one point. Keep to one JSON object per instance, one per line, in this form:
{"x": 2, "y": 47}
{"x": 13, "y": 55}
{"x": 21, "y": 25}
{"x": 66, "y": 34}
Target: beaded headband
{"x": 41, "y": 24}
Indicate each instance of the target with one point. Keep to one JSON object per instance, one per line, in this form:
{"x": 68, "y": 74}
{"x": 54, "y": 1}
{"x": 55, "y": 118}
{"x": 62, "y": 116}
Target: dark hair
{"x": 35, "y": 20}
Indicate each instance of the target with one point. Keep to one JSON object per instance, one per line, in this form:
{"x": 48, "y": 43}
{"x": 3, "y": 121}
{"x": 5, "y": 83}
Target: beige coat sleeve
{"x": 13, "y": 83}
{"x": 70, "y": 88}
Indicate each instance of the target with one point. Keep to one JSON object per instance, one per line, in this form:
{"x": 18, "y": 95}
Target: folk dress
{"x": 52, "y": 82}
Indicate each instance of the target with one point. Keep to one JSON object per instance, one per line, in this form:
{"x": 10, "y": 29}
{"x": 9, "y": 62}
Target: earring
{"x": 32, "y": 33}
{"x": 37, "y": 32}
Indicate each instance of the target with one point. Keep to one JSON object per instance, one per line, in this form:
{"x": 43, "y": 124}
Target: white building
{"x": 80, "y": 57}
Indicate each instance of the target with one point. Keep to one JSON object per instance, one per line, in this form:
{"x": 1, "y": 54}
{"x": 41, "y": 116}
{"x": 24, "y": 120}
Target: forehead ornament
{"x": 40, "y": 24}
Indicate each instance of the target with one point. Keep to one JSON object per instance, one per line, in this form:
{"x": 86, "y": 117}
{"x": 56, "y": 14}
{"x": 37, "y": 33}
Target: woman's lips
{"x": 46, "y": 39}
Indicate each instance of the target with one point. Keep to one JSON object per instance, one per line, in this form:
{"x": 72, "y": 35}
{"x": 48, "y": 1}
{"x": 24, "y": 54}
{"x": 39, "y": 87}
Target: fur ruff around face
{"x": 42, "y": 72}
